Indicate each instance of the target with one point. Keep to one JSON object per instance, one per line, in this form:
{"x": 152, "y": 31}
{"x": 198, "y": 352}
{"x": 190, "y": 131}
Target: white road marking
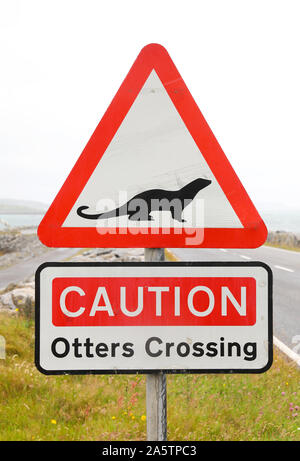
{"x": 245, "y": 257}
{"x": 284, "y": 268}
{"x": 223, "y": 249}
{"x": 286, "y": 350}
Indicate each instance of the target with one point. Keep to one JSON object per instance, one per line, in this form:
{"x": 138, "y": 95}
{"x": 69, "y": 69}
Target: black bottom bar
{"x": 131, "y": 450}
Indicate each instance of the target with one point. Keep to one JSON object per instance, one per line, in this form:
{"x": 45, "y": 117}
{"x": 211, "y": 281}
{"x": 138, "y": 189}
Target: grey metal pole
{"x": 156, "y": 384}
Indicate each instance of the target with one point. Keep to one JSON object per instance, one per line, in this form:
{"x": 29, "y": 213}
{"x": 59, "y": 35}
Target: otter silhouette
{"x": 139, "y": 207}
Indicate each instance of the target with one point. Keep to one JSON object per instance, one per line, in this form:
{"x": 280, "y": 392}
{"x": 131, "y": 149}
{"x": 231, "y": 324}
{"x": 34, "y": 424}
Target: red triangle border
{"x": 153, "y": 56}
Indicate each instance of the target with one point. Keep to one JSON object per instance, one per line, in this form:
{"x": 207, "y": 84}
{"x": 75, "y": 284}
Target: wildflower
{"x": 132, "y": 417}
{"x": 282, "y": 393}
{"x": 143, "y": 418}
{"x": 113, "y": 417}
{"x": 53, "y": 421}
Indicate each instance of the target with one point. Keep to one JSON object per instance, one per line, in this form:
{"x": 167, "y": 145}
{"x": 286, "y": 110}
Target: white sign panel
{"x": 148, "y": 317}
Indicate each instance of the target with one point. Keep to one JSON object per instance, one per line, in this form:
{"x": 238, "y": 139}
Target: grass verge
{"x": 200, "y": 407}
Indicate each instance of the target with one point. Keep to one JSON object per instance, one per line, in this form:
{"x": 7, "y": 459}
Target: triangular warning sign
{"x": 152, "y": 174}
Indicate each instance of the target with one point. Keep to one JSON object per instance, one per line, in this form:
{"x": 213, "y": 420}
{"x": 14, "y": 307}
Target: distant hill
{"x": 14, "y": 206}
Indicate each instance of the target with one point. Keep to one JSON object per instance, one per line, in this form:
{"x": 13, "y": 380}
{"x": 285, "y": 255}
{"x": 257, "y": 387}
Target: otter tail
{"x": 88, "y": 216}
{"x": 106, "y": 214}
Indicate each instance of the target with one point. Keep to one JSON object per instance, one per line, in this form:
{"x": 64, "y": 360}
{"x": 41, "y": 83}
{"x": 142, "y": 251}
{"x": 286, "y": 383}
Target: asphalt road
{"x": 27, "y": 267}
{"x": 285, "y": 266}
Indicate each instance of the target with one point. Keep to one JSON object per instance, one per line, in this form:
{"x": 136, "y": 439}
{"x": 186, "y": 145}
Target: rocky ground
{"x": 109, "y": 255}
{"x": 284, "y": 239}
{"x": 17, "y": 245}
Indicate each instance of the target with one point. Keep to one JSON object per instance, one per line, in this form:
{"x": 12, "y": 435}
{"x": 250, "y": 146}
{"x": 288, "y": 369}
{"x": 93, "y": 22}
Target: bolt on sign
{"x": 178, "y": 317}
{"x": 152, "y": 174}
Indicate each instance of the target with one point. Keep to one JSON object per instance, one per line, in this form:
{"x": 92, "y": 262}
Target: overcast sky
{"x": 61, "y": 63}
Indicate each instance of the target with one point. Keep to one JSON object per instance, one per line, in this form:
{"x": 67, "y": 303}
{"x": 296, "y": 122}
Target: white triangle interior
{"x": 152, "y": 149}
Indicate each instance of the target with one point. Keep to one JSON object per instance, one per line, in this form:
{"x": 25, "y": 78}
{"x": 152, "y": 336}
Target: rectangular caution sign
{"x": 178, "y": 317}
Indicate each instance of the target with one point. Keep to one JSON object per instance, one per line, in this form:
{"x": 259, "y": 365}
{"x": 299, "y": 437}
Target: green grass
{"x": 200, "y": 407}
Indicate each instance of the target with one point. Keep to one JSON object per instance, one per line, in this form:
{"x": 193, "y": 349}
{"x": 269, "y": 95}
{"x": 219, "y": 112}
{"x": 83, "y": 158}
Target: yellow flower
{"x": 124, "y": 413}
{"x": 113, "y": 417}
{"x": 143, "y": 418}
{"x": 17, "y": 309}
{"x": 132, "y": 417}
{"x": 53, "y": 421}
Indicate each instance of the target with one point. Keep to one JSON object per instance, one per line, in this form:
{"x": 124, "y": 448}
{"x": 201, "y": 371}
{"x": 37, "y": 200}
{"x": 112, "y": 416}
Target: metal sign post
{"x": 156, "y": 383}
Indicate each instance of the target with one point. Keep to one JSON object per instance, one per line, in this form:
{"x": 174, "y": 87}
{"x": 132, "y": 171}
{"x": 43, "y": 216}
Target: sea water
{"x": 18, "y": 220}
